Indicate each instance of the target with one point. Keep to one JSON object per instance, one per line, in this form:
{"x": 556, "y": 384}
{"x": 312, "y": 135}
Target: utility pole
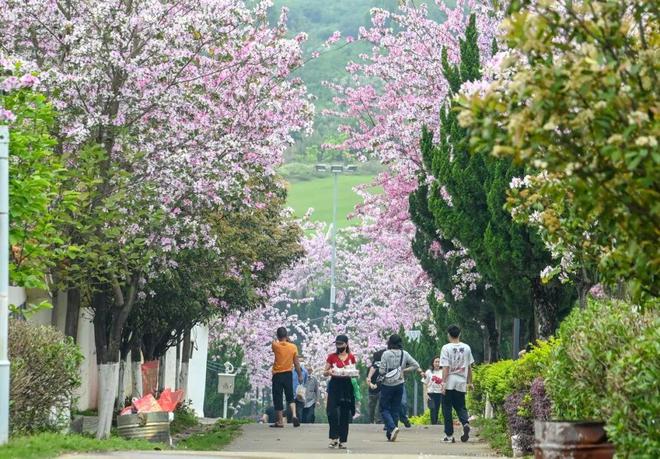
{"x": 333, "y": 261}
{"x": 4, "y": 284}
{"x": 335, "y": 170}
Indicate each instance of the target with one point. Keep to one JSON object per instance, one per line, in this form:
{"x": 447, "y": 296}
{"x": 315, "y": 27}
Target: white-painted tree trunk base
{"x": 121, "y": 390}
{"x": 108, "y": 377}
{"x": 183, "y": 379}
{"x": 136, "y": 372}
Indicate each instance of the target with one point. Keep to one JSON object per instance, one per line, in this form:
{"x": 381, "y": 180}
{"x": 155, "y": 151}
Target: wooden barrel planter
{"x": 575, "y": 440}
{"x": 148, "y": 426}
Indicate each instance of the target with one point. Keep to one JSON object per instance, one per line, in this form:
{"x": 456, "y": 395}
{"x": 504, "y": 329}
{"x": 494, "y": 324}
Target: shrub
{"x": 541, "y": 404}
{"x": 590, "y": 343}
{"x": 422, "y": 420}
{"x": 633, "y": 387}
{"x": 533, "y": 363}
{"x": 44, "y": 374}
{"x": 496, "y": 380}
{"x": 184, "y": 418}
{"x": 518, "y": 410}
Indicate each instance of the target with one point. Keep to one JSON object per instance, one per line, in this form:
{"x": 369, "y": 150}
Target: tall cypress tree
{"x": 477, "y": 307}
{"x": 508, "y": 255}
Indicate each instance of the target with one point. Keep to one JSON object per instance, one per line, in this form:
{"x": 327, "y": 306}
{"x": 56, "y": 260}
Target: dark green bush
{"x": 44, "y": 374}
{"x": 591, "y": 341}
{"x": 633, "y": 392}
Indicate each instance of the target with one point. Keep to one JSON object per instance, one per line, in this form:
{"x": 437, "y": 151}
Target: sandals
{"x": 296, "y": 422}
{"x": 278, "y": 426}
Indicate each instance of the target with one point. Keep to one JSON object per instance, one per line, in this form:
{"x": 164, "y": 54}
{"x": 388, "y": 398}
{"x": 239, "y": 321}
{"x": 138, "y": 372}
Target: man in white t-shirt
{"x": 456, "y": 361}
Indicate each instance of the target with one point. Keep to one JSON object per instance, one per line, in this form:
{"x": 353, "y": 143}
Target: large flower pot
{"x": 147, "y": 426}
{"x": 575, "y": 440}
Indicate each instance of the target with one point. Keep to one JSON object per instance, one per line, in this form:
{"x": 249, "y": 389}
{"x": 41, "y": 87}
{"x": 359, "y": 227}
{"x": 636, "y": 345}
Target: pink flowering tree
{"x": 379, "y": 292}
{"x": 396, "y": 91}
{"x": 166, "y": 109}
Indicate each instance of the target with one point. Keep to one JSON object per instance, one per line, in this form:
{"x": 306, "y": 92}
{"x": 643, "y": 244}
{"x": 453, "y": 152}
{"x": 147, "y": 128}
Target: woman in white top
{"x": 433, "y": 382}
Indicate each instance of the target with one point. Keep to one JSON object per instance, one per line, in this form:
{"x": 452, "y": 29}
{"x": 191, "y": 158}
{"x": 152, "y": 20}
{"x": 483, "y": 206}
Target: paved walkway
{"x": 310, "y": 442}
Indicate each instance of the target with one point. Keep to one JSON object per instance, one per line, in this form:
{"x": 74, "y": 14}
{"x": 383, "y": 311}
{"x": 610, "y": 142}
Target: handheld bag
{"x": 301, "y": 393}
{"x": 391, "y": 375}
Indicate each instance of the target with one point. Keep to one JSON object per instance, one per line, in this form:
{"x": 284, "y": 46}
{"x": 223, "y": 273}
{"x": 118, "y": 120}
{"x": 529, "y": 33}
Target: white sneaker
{"x": 394, "y": 434}
{"x": 448, "y": 440}
{"x": 333, "y": 444}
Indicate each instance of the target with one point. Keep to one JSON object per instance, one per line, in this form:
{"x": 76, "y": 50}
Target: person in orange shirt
{"x": 286, "y": 358}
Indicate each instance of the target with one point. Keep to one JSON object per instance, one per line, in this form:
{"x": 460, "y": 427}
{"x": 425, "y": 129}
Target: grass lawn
{"x": 317, "y": 194}
{"x": 214, "y": 437}
{"x": 49, "y": 445}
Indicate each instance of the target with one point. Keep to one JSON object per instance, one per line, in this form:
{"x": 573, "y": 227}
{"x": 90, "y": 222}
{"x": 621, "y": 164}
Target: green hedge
{"x": 606, "y": 368}
{"x": 500, "y": 379}
{"x": 604, "y": 364}
{"x": 633, "y": 425}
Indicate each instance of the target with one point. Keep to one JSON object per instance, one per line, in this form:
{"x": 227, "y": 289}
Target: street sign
{"x": 226, "y": 383}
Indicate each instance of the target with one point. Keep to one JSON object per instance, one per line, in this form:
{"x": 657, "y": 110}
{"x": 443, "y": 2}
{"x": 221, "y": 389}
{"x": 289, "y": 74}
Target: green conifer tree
{"x": 509, "y": 256}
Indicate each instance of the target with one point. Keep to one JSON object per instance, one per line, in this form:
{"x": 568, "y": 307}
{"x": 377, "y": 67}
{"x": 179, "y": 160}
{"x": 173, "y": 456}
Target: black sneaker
{"x": 407, "y": 424}
{"x": 466, "y": 433}
{"x": 448, "y": 440}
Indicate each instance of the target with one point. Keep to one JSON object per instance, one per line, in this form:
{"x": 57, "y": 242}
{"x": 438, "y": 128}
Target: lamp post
{"x": 4, "y": 284}
{"x": 335, "y": 170}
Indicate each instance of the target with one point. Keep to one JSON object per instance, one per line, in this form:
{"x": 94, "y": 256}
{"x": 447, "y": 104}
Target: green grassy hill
{"x": 317, "y": 194}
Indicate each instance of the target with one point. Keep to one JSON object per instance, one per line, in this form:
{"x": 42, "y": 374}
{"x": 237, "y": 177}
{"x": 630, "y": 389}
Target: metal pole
{"x": 334, "y": 248}
{"x": 224, "y": 408}
{"x": 516, "y": 337}
{"x": 4, "y": 284}
{"x": 415, "y": 411}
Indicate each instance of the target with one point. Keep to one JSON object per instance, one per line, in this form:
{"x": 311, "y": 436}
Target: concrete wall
{"x": 197, "y": 367}
{"x": 87, "y": 392}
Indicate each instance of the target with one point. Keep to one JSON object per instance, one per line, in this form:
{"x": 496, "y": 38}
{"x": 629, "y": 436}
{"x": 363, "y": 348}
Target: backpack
{"x": 390, "y": 375}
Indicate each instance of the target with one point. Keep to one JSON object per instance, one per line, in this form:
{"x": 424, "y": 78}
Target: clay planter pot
{"x": 575, "y": 440}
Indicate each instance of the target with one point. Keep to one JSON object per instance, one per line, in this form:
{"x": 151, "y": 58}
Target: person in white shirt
{"x": 433, "y": 383}
{"x": 456, "y": 360}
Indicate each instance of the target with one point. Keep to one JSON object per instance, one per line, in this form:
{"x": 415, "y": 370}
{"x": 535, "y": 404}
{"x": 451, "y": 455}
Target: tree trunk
{"x": 490, "y": 320}
{"x": 121, "y": 390}
{"x": 123, "y": 364}
{"x": 108, "y": 375}
{"x": 486, "y": 346}
{"x": 72, "y": 313}
{"x": 136, "y": 371}
{"x": 162, "y": 367}
{"x": 56, "y": 308}
{"x": 111, "y": 308}
{"x": 545, "y": 309}
{"x": 177, "y": 367}
{"x": 186, "y": 349}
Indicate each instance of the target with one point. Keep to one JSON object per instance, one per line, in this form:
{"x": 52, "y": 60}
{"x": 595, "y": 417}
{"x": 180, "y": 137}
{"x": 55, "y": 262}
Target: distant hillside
{"x": 319, "y": 19}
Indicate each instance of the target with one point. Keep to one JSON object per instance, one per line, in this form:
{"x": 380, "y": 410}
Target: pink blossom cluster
{"x": 392, "y": 94}
{"x": 379, "y": 292}
{"x": 193, "y": 96}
